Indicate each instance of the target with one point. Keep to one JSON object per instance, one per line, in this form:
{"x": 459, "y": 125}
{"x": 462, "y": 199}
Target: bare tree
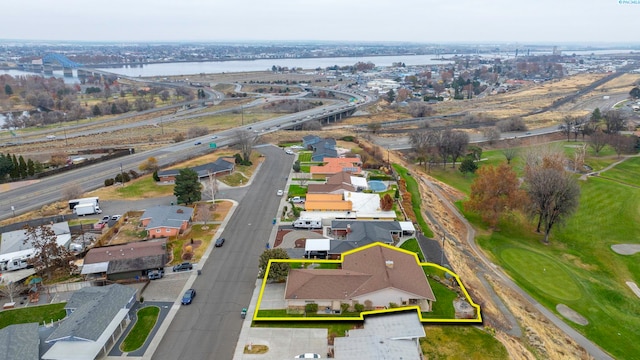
{"x": 246, "y": 140}
{"x": 492, "y": 134}
{"x": 419, "y": 109}
{"x": 197, "y": 131}
{"x": 150, "y": 165}
{"x": 568, "y": 124}
{"x": 554, "y": 195}
{"x": 72, "y": 191}
{"x": 204, "y": 214}
{"x": 11, "y": 289}
{"x": 48, "y": 256}
{"x": 597, "y": 141}
{"x": 456, "y": 144}
{"x": 622, "y": 144}
{"x": 614, "y": 122}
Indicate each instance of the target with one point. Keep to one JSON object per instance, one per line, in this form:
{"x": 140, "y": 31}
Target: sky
{"x": 422, "y": 21}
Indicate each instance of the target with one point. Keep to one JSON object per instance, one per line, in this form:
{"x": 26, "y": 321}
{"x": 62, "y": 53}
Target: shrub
{"x": 344, "y": 307}
{"x": 109, "y": 182}
{"x": 359, "y": 308}
{"x": 155, "y": 176}
{"x": 311, "y": 308}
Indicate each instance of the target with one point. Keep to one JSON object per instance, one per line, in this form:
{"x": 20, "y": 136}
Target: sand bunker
{"x": 634, "y": 288}
{"x": 626, "y": 249}
{"x": 570, "y": 314}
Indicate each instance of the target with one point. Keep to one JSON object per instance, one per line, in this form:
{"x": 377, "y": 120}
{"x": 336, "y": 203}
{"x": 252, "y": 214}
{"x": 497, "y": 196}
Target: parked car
{"x": 308, "y": 356}
{"x": 288, "y": 152}
{"x": 116, "y": 217}
{"x": 183, "y": 267}
{"x": 279, "y": 192}
{"x": 155, "y": 274}
{"x": 297, "y": 200}
{"x": 188, "y": 296}
{"x": 105, "y": 219}
{"x": 219, "y": 242}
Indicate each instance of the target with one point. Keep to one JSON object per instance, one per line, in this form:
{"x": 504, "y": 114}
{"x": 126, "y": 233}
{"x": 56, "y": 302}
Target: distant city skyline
{"x": 420, "y": 21}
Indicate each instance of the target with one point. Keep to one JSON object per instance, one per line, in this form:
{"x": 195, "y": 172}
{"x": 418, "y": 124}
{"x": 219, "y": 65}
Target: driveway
{"x": 273, "y": 297}
{"x": 285, "y": 343}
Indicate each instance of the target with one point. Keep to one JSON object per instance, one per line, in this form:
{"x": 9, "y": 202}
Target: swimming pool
{"x": 377, "y": 186}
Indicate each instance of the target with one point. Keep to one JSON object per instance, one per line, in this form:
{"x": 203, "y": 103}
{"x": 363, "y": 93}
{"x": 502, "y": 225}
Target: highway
{"x": 210, "y": 326}
{"x": 48, "y": 190}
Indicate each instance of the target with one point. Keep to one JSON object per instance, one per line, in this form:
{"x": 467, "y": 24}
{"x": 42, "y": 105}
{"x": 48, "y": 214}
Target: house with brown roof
{"x": 166, "y": 220}
{"x": 334, "y": 184}
{"x": 374, "y": 275}
{"x": 128, "y": 261}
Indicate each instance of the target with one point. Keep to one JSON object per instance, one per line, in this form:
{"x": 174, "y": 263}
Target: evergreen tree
{"x": 8, "y": 90}
{"x": 6, "y": 165}
{"x": 15, "y": 170}
{"x": 30, "y": 167}
{"x": 22, "y": 166}
{"x": 187, "y": 187}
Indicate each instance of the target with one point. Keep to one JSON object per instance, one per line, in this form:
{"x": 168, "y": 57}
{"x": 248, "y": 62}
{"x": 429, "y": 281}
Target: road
{"x": 209, "y": 328}
{"x": 48, "y": 190}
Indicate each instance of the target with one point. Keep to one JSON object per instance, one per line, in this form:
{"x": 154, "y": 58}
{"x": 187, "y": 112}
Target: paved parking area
{"x": 169, "y": 288}
{"x": 273, "y": 297}
{"x": 286, "y": 343}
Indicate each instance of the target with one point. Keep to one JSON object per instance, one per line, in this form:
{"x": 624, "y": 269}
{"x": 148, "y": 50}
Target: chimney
{"x": 389, "y": 264}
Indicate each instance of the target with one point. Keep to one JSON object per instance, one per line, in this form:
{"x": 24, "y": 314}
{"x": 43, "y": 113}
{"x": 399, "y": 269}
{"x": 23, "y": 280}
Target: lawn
{"x": 416, "y": 201}
{"x": 412, "y": 245}
{"x": 147, "y": 318}
{"x": 304, "y": 156}
{"x": 297, "y": 190}
{"x": 31, "y": 314}
{"x": 460, "y": 342}
{"x": 626, "y": 172}
{"x": 578, "y": 268}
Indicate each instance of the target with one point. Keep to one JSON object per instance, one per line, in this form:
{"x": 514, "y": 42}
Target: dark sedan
{"x": 219, "y": 242}
{"x": 188, "y": 296}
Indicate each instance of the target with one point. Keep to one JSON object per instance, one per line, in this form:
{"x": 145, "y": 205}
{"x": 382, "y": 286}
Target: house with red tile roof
{"x": 332, "y": 166}
{"x": 373, "y": 276}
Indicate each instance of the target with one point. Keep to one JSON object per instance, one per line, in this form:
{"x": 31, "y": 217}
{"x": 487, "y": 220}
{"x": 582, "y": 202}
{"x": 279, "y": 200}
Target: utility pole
{"x": 121, "y": 175}
{"x": 242, "y": 111}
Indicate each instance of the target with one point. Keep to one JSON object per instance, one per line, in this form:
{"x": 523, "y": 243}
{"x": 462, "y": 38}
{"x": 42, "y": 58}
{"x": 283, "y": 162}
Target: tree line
{"x": 16, "y": 168}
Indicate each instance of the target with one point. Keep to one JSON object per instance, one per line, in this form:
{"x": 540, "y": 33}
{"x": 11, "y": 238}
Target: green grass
{"x": 305, "y": 156}
{"x": 412, "y": 245}
{"x": 443, "y": 306}
{"x": 460, "y": 342}
{"x": 147, "y": 318}
{"x": 626, "y": 172}
{"x": 297, "y": 190}
{"x": 32, "y": 314}
{"x": 145, "y": 187}
{"x": 335, "y": 328}
{"x": 234, "y": 179}
{"x": 414, "y": 189}
{"x": 581, "y": 270}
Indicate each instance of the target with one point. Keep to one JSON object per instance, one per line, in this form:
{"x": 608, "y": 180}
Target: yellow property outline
{"x": 478, "y": 319}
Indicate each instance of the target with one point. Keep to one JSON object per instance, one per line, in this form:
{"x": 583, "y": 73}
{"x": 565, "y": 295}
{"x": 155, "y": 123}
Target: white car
{"x": 280, "y": 193}
{"x": 288, "y": 152}
{"x": 308, "y": 356}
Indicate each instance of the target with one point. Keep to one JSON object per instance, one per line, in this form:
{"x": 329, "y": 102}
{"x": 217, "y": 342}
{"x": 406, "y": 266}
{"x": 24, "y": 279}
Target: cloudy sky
{"x": 530, "y": 21}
